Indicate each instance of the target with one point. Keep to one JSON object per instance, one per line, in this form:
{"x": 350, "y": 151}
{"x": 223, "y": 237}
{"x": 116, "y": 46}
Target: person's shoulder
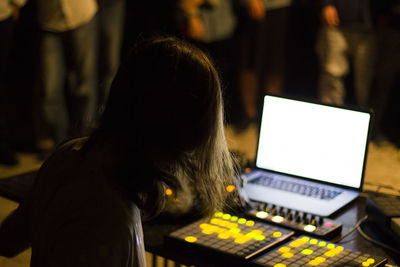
{"x": 65, "y": 151}
{"x": 73, "y": 143}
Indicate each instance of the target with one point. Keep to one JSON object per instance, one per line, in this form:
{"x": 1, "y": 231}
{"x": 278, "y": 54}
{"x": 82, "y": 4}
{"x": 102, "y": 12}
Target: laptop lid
{"x": 318, "y": 142}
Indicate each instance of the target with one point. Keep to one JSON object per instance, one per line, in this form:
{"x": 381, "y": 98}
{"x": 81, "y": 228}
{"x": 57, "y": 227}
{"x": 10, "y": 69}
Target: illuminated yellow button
{"x": 236, "y": 235}
{"x": 251, "y": 235}
{"x": 204, "y": 225}
{"x": 261, "y": 214}
{"x": 235, "y": 230}
{"x": 224, "y": 223}
{"x": 234, "y": 218}
{"x": 313, "y": 262}
{"x": 296, "y": 243}
{"x": 230, "y": 188}
{"x": 218, "y": 214}
{"x": 277, "y": 234}
{"x": 208, "y": 231}
{"x": 232, "y": 225}
{"x": 220, "y": 230}
{"x": 259, "y": 237}
{"x": 313, "y": 241}
{"x": 280, "y": 265}
{"x": 224, "y": 235}
{"x": 250, "y": 223}
{"x": 365, "y": 263}
{"x": 307, "y": 251}
{"x": 226, "y": 216}
{"x": 330, "y": 253}
{"x": 305, "y": 238}
{"x": 322, "y": 244}
{"x": 215, "y": 221}
{"x": 310, "y": 228}
{"x": 257, "y": 231}
{"x": 287, "y": 255}
{"x": 277, "y": 219}
{"x": 339, "y": 249}
{"x": 191, "y": 239}
{"x": 242, "y": 220}
{"x": 371, "y": 260}
{"x": 284, "y": 249}
{"x": 330, "y": 246}
{"x": 320, "y": 259}
{"x": 168, "y": 192}
{"x": 242, "y": 240}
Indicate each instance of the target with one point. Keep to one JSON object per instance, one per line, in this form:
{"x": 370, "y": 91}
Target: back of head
{"x": 165, "y": 109}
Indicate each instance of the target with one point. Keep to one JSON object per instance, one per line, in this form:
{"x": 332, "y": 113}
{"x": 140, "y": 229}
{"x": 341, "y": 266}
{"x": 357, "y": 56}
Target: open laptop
{"x": 310, "y": 157}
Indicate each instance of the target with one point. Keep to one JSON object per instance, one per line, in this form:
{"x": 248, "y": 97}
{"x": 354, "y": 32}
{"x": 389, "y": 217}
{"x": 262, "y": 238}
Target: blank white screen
{"x": 315, "y": 141}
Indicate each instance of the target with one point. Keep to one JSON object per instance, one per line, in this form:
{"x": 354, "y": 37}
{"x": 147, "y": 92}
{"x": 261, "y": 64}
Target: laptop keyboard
{"x": 302, "y": 189}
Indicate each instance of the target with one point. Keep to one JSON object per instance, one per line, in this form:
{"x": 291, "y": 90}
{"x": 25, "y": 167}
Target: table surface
{"x": 349, "y": 216}
{"x": 155, "y": 231}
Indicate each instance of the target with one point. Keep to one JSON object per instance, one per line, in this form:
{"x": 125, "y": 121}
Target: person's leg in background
{"x": 111, "y": 27}
{"x": 334, "y": 66}
{"x": 364, "y": 53}
{"x": 274, "y": 40}
{"x": 82, "y": 53}
{"x": 53, "y": 74}
{"x": 7, "y": 156}
{"x": 250, "y": 49}
{"x": 386, "y": 73}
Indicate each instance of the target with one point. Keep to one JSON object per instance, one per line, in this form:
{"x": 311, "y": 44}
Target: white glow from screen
{"x": 314, "y": 141}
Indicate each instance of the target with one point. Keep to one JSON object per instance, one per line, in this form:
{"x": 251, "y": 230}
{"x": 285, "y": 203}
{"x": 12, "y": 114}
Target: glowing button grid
{"x": 231, "y": 234}
{"x": 307, "y": 251}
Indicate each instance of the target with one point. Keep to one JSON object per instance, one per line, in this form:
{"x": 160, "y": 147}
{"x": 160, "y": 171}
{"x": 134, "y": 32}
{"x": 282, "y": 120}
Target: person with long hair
{"x": 162, "y": 130}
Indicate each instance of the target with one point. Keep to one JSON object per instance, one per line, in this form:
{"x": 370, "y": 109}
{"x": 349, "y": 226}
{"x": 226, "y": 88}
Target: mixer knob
{"x": 289, "y": 215}
{"x": 313, "y": 220}
{"x": 281, "y": 212}
{"x": 266, "y": 208}
{"x": 260, "y": 207}
{"x": 273, "y": 211}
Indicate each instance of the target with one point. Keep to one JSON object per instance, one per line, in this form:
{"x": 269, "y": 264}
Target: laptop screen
{"x": 314, "y": 141}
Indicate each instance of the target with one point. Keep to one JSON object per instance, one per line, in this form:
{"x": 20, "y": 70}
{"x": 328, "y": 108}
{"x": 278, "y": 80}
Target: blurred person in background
{"x": 388, "y": 70}
{"x": 68, "y": 60}
{"x": 111, "y": 18}
{"x": 211, "y": 24}
{"x": 345, "y": 43}
{"x": 9, "y": 14}
{"x": 261, "y": 45}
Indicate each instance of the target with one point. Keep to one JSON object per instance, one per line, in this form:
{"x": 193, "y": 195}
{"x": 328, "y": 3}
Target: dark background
{"x": 23, "y": 85}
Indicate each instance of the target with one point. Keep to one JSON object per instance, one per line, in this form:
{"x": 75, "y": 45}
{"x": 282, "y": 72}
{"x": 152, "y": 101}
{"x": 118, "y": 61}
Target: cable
{"x": 352, "y": 230}
{"x": 376, "y": 242}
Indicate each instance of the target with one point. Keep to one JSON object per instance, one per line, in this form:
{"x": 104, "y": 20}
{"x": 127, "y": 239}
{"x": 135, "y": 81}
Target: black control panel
{"x": 300, "y": 222}
{"x": 385, "y": 211}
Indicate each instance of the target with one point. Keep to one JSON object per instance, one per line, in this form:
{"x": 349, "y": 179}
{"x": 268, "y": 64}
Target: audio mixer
{"x": 300, "y": 222}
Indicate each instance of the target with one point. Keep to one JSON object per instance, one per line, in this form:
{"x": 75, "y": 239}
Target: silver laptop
{"x": 310, "y": 157}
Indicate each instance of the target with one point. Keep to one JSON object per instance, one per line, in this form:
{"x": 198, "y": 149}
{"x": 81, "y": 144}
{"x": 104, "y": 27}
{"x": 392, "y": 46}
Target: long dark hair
{"x": 165, "y": 115}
